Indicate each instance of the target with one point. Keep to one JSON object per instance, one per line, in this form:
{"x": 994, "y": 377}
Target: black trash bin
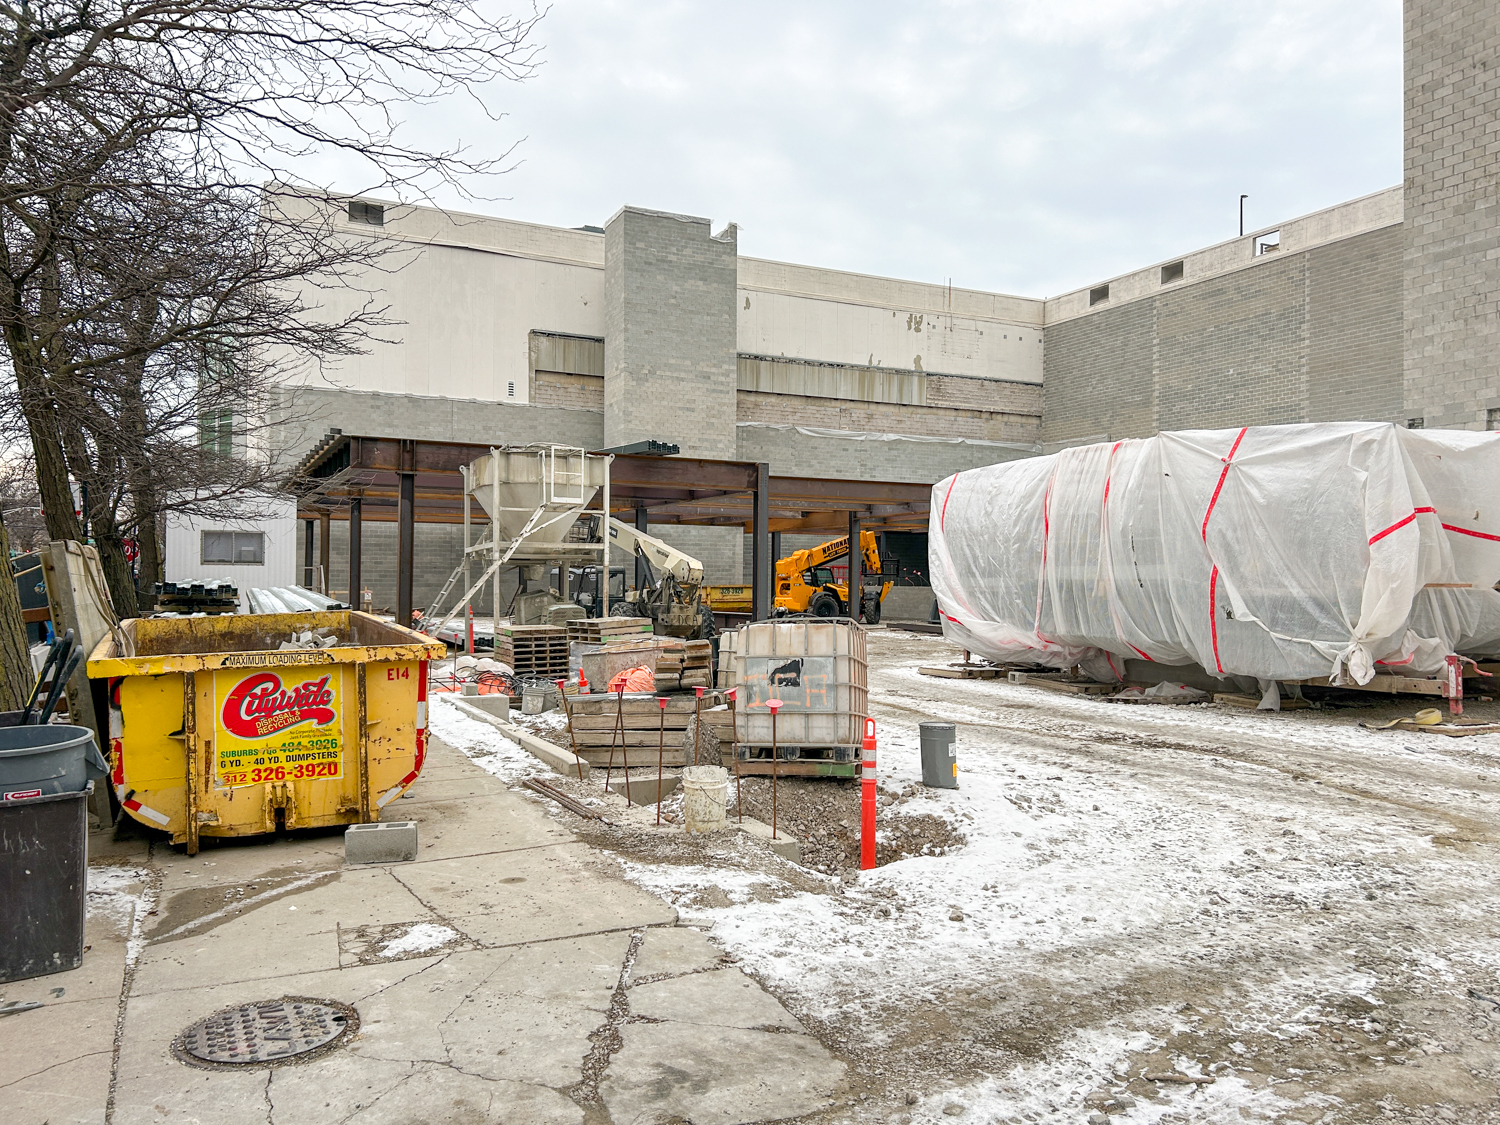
{"x": 43, "y": 883}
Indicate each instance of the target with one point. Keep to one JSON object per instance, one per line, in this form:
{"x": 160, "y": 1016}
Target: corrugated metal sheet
{"x": 289, "y": 599}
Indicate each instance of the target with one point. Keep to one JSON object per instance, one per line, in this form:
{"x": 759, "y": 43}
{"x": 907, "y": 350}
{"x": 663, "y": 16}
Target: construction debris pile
{"x": 1272, "y": 552}
{"x": 309, "y": 638}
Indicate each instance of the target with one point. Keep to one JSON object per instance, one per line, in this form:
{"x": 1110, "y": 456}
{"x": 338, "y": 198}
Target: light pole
{"x": 1242, "y": 214}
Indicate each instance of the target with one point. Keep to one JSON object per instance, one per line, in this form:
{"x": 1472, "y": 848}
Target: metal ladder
{"x": 443, "y": 593}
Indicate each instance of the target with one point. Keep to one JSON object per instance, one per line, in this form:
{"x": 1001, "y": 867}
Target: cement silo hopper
{"x": 535, "y": 496}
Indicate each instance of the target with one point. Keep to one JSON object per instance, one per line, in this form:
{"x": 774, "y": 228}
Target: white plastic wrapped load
{"x": 1275, "y": 552}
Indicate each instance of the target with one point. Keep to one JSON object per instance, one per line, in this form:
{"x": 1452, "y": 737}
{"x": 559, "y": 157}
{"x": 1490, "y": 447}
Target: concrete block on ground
{"x": 392, "y": 842}
{"x": 497, "y": 704}
{"x": 785, "y": 844}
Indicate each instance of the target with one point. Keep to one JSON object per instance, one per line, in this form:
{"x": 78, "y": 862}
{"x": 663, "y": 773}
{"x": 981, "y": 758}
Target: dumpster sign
{"x": 282, "y": 725}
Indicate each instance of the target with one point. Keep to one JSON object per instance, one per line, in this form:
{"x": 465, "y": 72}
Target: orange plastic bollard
{"x": 867, "y": 800}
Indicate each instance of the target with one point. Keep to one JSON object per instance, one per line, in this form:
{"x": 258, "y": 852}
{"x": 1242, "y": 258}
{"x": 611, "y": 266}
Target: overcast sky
{"x": 1025, "y": 146}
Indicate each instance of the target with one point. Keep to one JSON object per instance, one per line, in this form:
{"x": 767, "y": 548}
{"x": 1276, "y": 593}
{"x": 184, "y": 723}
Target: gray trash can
{"x": 939, "y": 757}
{"x": 43, "y": 884}
{"x": 43, "y": 760}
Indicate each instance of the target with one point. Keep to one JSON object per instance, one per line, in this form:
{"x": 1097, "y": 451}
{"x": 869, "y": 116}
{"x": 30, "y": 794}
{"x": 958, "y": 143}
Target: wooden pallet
{"x": 533, "y": 650}
{"x": 1069, "y": 687}
{"x": 608, "y": 630}
{"x": 798, "y": 768}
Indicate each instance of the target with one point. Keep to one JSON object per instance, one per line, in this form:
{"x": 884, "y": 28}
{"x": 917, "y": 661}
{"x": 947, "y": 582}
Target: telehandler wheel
{"x": 872, "y": 611}
{"x": 825, "y": 605}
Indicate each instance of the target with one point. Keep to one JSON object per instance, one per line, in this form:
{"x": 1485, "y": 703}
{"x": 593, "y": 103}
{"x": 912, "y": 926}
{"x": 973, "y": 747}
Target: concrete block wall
{"x": 1451, "y": 261}
{"x": 790, "y": 452}
{"x": 1294, "y": 337}
{"x": 309, "y": 412}
{"x": 669, "y": 340}
{"x": 888, "y": 418}
{"x": 437, "y": 550}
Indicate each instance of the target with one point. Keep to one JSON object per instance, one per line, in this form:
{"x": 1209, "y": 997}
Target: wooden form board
{"x": 961, "y": 672}
{"x": 1253, "y": 701}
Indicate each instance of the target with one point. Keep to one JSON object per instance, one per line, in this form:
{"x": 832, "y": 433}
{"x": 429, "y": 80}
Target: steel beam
{"x": 406, "y": 540}
{"x": 760, "y": 546}
{"x": 856, "y": 567}
{"x": 356, "y": 547}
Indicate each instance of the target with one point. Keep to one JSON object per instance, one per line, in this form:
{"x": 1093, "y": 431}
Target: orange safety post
{"x": 867, "y": 800}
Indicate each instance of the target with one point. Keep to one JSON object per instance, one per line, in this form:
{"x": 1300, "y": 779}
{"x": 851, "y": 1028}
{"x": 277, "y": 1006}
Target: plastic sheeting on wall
{"x": 1274, "y": 552}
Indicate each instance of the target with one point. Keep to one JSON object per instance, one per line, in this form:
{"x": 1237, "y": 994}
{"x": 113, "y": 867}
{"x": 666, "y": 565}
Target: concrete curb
{"x": 560, "y": 760}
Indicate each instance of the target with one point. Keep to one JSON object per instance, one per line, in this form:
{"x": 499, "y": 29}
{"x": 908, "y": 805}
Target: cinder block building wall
{"x": 1451, "y": 259}
{"x": 1300, "y": 323}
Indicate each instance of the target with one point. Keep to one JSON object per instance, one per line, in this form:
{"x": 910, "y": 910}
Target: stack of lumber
{"x": 608, "y": 630}
{"x": 594, "y": 719}
{"x": 683, "y": 664}
{"x": 533, "y": 651}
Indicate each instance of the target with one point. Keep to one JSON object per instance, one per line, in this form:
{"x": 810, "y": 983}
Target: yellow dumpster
{"x": 217, "y": 731}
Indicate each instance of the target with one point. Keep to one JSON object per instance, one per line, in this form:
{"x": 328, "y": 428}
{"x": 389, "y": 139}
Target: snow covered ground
{"x": 1286, "y": 906}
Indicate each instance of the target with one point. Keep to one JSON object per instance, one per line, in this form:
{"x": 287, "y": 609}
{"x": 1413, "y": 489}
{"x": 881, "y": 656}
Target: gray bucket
{"x": 44, "y": 760}
{"x": 939, "y": 756}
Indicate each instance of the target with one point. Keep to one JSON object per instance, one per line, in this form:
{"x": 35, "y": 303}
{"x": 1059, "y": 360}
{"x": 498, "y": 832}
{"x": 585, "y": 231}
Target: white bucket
{"x": 536, "y": 700}
{"x": 705, "y": 798}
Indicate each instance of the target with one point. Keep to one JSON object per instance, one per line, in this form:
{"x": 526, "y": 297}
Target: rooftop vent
{"x": 1171, "y": 272}
{"x": 1098, "y": 295}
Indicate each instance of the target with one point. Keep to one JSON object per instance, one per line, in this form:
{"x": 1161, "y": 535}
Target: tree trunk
{"x": 117, "y": 577}
{"x": 148, "y": 567}
{"x": 15, "y": 664}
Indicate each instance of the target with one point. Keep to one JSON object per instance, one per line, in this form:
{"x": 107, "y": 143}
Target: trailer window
{"x": 234, "y": 548}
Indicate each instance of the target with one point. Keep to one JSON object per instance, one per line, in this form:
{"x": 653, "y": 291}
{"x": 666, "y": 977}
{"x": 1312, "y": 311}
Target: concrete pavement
{"x": 505, "y": 976}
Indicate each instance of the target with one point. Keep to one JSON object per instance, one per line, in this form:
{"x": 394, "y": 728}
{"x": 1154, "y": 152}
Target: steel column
{"x": 761, "y": 561}
{"x": 356, "y": 513}
{"x": 856, "y": 568}
{"x": 641, "y": 524}
{"x": 324, "y": 530}
{"x": 406, "y": 537}
{"x": 307, "y": 554}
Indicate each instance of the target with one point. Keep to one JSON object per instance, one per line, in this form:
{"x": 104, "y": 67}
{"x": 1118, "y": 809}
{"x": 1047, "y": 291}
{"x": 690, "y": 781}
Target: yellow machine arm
{"x": 823, "y": 553}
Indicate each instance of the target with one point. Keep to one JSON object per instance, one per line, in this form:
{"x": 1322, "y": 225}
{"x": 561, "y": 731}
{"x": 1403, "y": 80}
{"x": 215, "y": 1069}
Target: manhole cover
{"x": 266, "y": 1031}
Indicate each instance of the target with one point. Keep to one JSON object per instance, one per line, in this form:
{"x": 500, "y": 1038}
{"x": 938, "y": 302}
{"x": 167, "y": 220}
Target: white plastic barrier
{"x": 1275, "y": 552}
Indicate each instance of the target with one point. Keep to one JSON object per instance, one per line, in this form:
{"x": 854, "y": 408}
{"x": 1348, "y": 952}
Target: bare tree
{"x": 143, "y": 275}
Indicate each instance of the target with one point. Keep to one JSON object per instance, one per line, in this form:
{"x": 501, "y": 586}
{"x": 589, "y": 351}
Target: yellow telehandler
{"x": 805, "y": 583}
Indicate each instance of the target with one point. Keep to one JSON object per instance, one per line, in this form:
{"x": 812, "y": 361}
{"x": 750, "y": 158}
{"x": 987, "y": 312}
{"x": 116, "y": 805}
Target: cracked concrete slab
{"x": 495, "y": 1027}
{"x": 726, "y": 1077}
{"x": 674, "y": 950}
{"x": 62, "y": 1077}
{"x": 443, "y": 1096}
{"x": 723, "y": 997}
{"x": 514, "y": 897}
